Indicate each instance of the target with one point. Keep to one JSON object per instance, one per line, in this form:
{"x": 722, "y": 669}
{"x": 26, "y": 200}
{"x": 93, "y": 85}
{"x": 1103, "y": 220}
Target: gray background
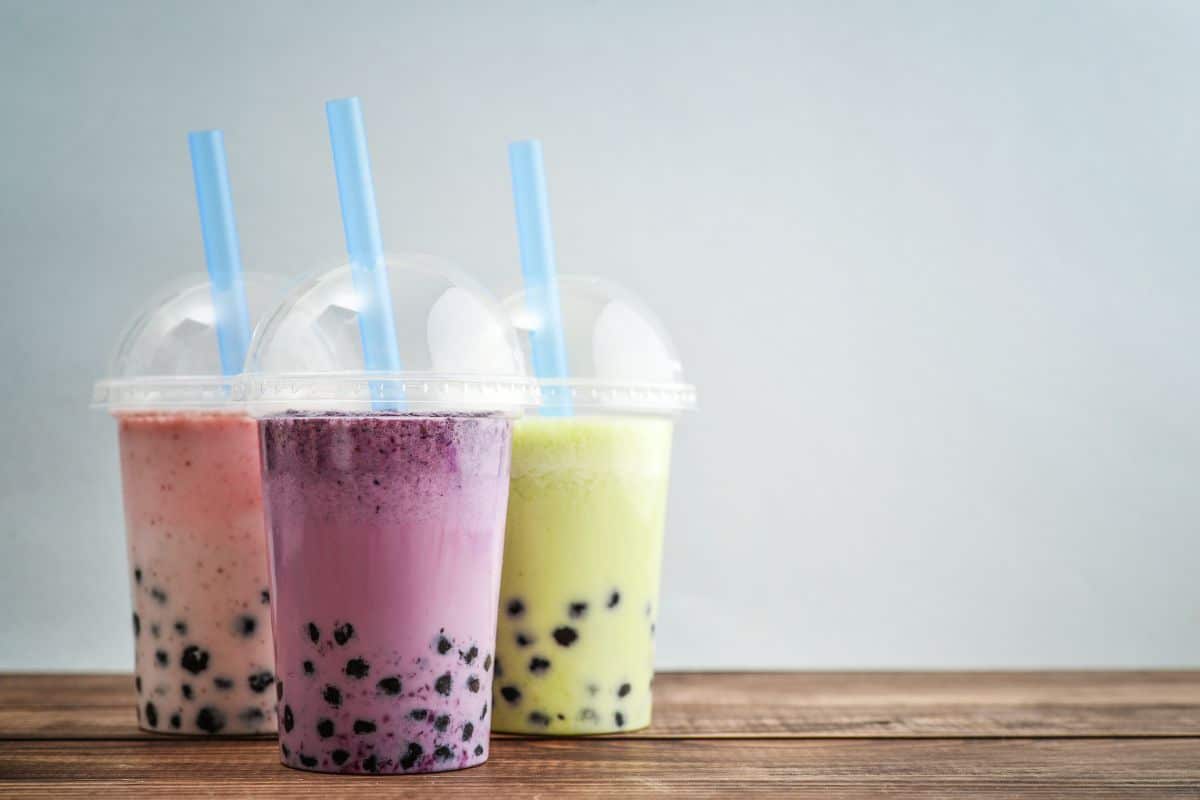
{"x": 933, "y": 266}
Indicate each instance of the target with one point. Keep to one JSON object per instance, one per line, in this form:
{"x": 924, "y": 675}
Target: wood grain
{"x": 564, "y": 768}
{"x": 756, "y": 705}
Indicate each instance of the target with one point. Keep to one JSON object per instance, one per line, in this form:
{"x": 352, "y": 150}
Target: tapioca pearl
{"x": 588, "y": 715}
{"x": 498, "y": 672}
{"x": 538, "y": 718}
{"x": 443, "y": 753}
{"x": 137, "y": 683}
{"x": 414, "y": 752}
{"x": 516, "y": 607}
{"x": 371, "y": 763}
{"x": 357, "y": 668}
{"x": 307, "y": 761}
{"x": 137, "y": 625}
{"x": 194, "y": 660}
{"x": 160, "y": 657}
{"x": 288, "y": 720}
{"x": 159, "y": 595}
{"x": 483, "y": 713}
{"x": 151, "y": 715}
{"x": 283, "y": 748}
{"x": 442, "y": 722}
{"x": 593, "y": 688}
{"x": 265, "y": 597}
{"x": 470, "y": 656}
{"x": 576, "y": 610}
{"x": 614, "y": 598}
{"x": 624, "y": 690}
{"x": 223, "y": 683}
{"x": 418, "y": 713}
{"x": 210, "y": 719}
{"x": 245, "y": 625}
{"x": 176, "y": 721}
{"x": 314, "y": 633}
{"x": 339, "y": 757}
{"x": 443, "y": 645}
{"x": 468, "y": 731}
{"x": 525, "y": 639}
{"x": 539, "y": 665}
{"x": 332, "y": 695}
{"x": 478, "y": 749}
{"x": 619, "y": 718}
{"x": 260, "y": 681}
{"x": 137, "y": 574}
{"x": 652, "y": 626}
{"x": 251, "y": 716}
{"x": 443, "y": 684}
{"x": 565, "y": 635}
{"x": 363, "y": 726}
{"x": 487, "y": 662}
{"x": 389, "y": 686}
{"x": 279, "y": 690}
{"x": 325, "y": 728}
{"x": 309, "y": 669}
{"x": 186, "y": 690}
{"x": 155, "y": 630}
{"x": 473, "y": 683}
{"x": 343, "y": 633}
{"x": 511, "y": 693}
{"x": 181, "y": 627}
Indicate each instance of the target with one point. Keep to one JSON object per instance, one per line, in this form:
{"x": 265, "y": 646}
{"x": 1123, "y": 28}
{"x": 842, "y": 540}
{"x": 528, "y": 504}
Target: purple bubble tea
{"x": 386, "y": 535}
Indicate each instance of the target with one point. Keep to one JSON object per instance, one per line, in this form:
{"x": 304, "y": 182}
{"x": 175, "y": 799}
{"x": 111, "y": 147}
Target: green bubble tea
{"x": 579, "y": 589}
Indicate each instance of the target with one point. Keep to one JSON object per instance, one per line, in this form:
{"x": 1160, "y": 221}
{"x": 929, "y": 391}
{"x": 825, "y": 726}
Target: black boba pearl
{"x": 418, "y": 713}
{"x": 307, "y": 761}
{"x": 487, "y": 662}
{"x": 339, "y": 757}
{"x": 560, "y": 716}
{"x": 483, "y": 713}
{"x": 259, "y": 682}
{"x": 332, "y": 695}
{"x": 194, "y": 659}
{"x": 652, "y": 626}
{"x": 390, "y": 686}
{"x": 159, "y": 595}
{"x": 151, "y": 715}
{"x": 577, "y": 610}
{"x": 588, "y": 714}
{"x": 565, "y": 636}
{"x": 511, "y": 693}
{"x": 357, "y": 668}
{"x": 223, "y": 683}
{"x": 176, "y": 721}
{"x": 371, "y": 763}
{"x": 288, "y": 720}
{"x": 443, "y": 645}
{"x": 137, "y": 624}
{"x": 137, "y": 683}
{"x": 538, "y": 665}
{"x": 252, "y": 715}
{"x": 286, "y": 752}
{"x": 181, "y": 627}
{"x": 364, "y": 726}
{"x": 538, "y": 718}
{"x": 498, "y": 672}
{"x": 325, "y": 728}
{"x": 524, "y": 640}
{"x": 314, "y": 633}
{"x": 443, "y": 753}
{"x": 515, "y": 607}
{"x": 478, "y": 749}
{"x": 210, "y": 720}
{"x": 246, "y": 625}
{"x": 442, "y": 722}
{"x": 593, "y": 688}
{"x": 468, "y": 731}
{"x": 473, "y": 683}
{"x": 155, "y": 630}
{"x": 620, "y": 719}
{"x": 279, "y": 690}
{"x": 624, "y": 690}
{"x": 411, "y": 755}
{"x": 265, "y": 596}
{"x": 614, "y": 598}
{"x": 186, "y": 689}
{"x": 343, "y": 633}
{"x": 471, "y": 654}
{"x": 309, "y": 669}
{"x": 137, "y": 574}
{"x": 160, "y": 657}
{"x": 443, "y": 684}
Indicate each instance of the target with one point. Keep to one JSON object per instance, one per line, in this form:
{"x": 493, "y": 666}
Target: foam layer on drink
{"x": 198, "y": 562}
{"x": 575, "y": 649}
{"x": 387, "y": 533}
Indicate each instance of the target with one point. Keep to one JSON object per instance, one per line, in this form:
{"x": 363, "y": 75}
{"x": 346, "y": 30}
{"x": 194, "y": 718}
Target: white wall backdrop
{"x": 933, "y": 265}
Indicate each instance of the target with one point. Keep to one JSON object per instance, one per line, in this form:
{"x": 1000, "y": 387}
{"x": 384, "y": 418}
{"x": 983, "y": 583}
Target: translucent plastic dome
{"x": 619, "y": 356}
{"x": 456, "y": 347}
{"x": 168, "y": 356}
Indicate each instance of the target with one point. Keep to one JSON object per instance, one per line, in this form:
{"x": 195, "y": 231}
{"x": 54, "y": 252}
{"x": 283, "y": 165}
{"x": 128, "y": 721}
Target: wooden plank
{"x": 751, "y": 705}
{"x": 1094, "y": 768}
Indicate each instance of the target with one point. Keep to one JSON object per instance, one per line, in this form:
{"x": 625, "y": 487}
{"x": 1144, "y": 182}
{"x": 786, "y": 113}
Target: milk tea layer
{"x": 575, "y": 641}
{"x": 387, "y": 533}
{"x": 198, "y": 566}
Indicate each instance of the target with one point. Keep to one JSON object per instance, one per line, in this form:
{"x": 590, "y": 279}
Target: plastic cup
{"x": 386, "y": 526}
{"x": 587, "y": 506}
{"x": 190, "y": 477}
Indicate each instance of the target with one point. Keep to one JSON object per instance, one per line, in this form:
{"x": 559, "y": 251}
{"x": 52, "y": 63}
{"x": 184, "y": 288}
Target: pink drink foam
{"x": 386, "y": 540}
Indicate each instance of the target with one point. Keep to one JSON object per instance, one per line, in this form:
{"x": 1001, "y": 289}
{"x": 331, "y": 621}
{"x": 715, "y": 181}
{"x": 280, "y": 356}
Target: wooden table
{"x": 830, "y": 735}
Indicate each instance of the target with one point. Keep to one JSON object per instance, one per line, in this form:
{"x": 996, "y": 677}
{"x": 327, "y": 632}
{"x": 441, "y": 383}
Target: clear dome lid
{"x": 457, "y": 350}
{"x": 168, "y": 356}
{"x": 619, "y": 356}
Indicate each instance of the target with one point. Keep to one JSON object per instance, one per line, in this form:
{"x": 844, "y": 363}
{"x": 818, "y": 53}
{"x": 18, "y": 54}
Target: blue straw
{"x": 538, "y": 269}
{"x": 360, "y": 221}
{"x": 221, "y": 247}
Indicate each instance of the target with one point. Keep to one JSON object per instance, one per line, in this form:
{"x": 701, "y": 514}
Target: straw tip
{"x": 208, "y": 134}
{"x": 342, "y": 102}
